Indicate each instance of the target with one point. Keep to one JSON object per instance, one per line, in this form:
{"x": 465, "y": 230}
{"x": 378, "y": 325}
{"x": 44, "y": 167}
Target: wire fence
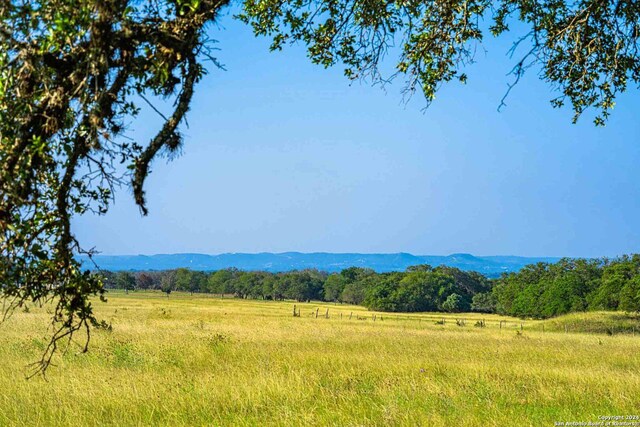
{"x": 519, "y": 326}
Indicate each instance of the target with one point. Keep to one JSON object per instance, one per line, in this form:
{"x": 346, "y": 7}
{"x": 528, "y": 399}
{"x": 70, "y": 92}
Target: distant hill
{"x": 274, "y": 262}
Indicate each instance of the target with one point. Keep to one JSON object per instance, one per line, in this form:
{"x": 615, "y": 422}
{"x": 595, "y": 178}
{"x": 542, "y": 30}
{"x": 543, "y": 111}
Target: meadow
{"x": 203, "y": 360}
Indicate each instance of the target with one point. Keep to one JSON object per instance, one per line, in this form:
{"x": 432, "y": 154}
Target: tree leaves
{"x": 70, "y": 75}
{"x": 588, "y": 50}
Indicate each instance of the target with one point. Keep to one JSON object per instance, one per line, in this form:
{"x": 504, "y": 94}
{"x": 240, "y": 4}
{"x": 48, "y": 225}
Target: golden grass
{"x": 201, "y": 360}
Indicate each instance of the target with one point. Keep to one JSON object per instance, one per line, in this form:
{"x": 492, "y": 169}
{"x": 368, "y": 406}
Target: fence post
{"x": 326, "y": 315}
{"x": 350, "y": 315}
{"x": 317, "y": 312}
{"x": 294, "y": 310}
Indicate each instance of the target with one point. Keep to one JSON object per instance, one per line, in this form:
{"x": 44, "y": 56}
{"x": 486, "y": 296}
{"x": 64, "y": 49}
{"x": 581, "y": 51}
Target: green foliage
{"x": 221, "y": 281}
{"x": 380, "y": 294}
{"x": 144, "y": 281}
{"x": 484, "y": 303}
{"x": 547, "y": 290}
{"x": 168, "y": 282}
{"x": 355, "y": 281}
{"x": 423, "y": 289}
{"x": 125, "y": 280}
{"x": 353, "y": 274}
{"x": 586, "y": 50}
{"x": 190, "y": 281}
{"x": 614, "y": 278}
{"x": 453, "y": 303}
{"x": 71, "y": 74}
{"x": 334, "y": 286}
{"x": 355, "y": 293}
{"x": 630, "y": 295}
{"x": 419, "y": 267}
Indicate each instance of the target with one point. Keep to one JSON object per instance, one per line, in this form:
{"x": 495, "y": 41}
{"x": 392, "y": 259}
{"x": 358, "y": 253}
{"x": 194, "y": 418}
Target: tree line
{"x": 545, "y": 290}
{"x": 539, "y": 290}
{"x": 420, "y": 288}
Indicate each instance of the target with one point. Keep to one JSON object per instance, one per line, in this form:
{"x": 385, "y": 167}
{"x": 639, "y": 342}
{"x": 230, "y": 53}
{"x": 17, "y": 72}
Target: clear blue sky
{"x": 282, "y": 155}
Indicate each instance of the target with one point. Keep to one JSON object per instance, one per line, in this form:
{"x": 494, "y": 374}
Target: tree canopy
{"x": 586, "y": 49}
{"x": 73, "y": 75}
{"x": 70, "y": 72}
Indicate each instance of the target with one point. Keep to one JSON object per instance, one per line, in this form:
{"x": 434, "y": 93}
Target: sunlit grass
{"x": 198, "y": 360}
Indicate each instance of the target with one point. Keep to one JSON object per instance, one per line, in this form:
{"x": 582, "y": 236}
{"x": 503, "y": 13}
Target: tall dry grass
{"x": 200, "y": 360}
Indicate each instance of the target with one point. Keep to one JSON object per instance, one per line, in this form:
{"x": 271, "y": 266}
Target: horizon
{"x": 339, "y": 253}
{"x": 490, "y": 266}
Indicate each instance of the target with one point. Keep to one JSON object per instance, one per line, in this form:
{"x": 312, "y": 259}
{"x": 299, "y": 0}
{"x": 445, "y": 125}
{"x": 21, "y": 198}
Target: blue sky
{"x": 283, "y": 155}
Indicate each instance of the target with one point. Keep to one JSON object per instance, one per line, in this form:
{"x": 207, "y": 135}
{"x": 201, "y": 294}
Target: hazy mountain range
{"x": 275, "y": 262}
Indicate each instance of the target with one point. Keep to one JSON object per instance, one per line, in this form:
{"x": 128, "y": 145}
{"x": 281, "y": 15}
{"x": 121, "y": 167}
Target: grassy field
{"x": 200, "y": 360}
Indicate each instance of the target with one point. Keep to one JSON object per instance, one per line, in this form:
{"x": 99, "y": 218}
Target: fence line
{"x": 476, "y": 321}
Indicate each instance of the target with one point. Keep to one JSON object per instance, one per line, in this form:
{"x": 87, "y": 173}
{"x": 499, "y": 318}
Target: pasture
{"x": 202, "y": 360}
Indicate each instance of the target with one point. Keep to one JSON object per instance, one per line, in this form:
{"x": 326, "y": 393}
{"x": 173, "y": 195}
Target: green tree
{"x": 419, "y": 267}
{"x": 419, "y": 291}
{"x": 125, "y": 280}
{"x": 587, "y": 50}
{"x": 484, "y": 303}
{"x": 630, "y": 295}
{"x": 614, "y": 278}
{"x": 267, "y": 286}
{"x": 144, "y": 281}
{"x": 424, "y": 291}
{"x": 70, "y": 74}
{"x": 257, "y": 287}
{"x": 517, "y": 294}
{"x": 355, "y": 293}
{"x": 334, "y": 286}
{"x": 453, "y": 303}
{"x": 302, "y": 285}
{"x": 198, "y": 281}
{"x": 279, "y": 286}
{"x": 380, "y": 292}
{"x": 168, "y": 282}
{"x": 353, "y": 274}
{"x": 243, "y": 284}
{"x": 183, "y": 279}
{"x": 221, "y": 281}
